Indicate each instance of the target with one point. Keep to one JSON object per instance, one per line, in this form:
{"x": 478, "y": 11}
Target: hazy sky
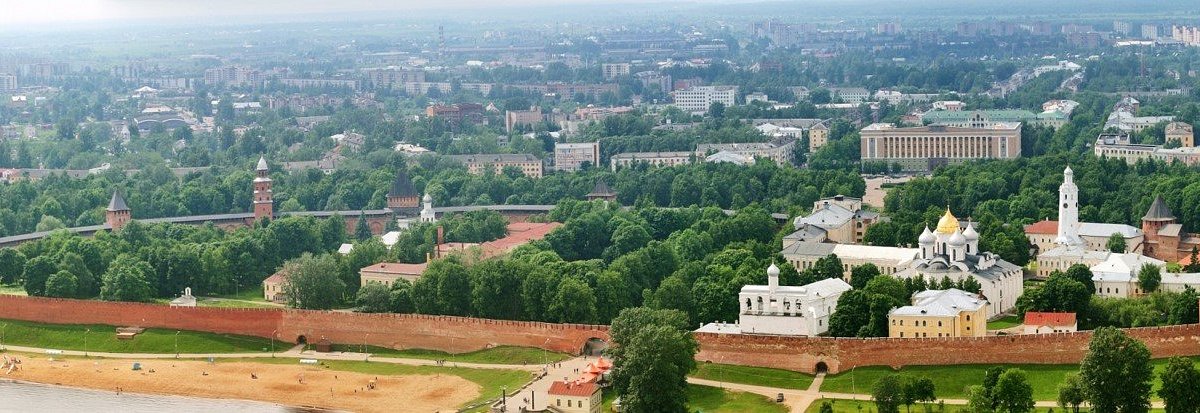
{"x": 22, "y": 12}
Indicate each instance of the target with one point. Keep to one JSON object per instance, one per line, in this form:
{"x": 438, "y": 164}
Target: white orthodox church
{"x": 953, "y": 252}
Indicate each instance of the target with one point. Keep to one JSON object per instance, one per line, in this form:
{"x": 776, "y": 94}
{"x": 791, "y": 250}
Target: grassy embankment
{"x": 103, "y": 338}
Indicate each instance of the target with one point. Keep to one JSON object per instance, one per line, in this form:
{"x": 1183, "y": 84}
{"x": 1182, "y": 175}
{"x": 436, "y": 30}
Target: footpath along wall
{"x": 461, "y": 334}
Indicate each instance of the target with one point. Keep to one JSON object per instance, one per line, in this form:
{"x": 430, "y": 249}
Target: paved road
{"x": 296, "y": 352}
{"x": 533, "y": 395}
{"x": 797, "y": 401}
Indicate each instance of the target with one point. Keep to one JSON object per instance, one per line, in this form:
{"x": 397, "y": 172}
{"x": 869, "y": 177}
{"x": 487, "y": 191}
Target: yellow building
{"x": 387, "y": 273}
{"x": 1182, "y": 132}
{"x": 940, "y": 313}
{"x": 818, "y": 136}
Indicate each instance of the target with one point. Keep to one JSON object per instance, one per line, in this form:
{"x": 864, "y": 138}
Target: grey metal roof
{"x": 941, "y": 303}
{"x": 199, "y": 218}
{"x": 523, "y": 208}
{"x": 402, "y": 186}
{"x": 17, "y": 239}
{"x": 601, "y": 189}
{"x": 494, "y": 157}
{"x": 117, "y": 203}
{"x": 349, "y": 213}
{"x": 807, "y": 233}
{"x": 1158, "y": 211}
{"x": 830, "y": 216}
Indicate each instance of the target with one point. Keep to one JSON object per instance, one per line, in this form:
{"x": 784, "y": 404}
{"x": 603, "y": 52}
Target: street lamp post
{"x": 176, "y": 343}
{"x": 273, "y": 333}
{"x": 503, "y": 398}
{"x": 2, "y": 328}
{"x": 85, "y": 336}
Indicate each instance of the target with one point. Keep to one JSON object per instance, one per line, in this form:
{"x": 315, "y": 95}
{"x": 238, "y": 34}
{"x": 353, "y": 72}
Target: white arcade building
{"x": 784, "y": 310}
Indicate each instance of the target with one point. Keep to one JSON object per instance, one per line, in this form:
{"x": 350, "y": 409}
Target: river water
{"x": 40, "y": 398}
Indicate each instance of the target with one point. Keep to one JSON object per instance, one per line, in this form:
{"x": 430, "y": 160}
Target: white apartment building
{"x": 615, "y": 70}
{"x": 698, "y": 99}
{"x": 8, "y": 83}
{"x": 571, "y": 156}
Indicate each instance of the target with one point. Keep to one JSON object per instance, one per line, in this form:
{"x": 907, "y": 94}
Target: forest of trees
{"x": 603, "y": 260}
{"x": 156, "y": 192}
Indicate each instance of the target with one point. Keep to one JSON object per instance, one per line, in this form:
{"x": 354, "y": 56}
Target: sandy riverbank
{"x": 276, "y": 383}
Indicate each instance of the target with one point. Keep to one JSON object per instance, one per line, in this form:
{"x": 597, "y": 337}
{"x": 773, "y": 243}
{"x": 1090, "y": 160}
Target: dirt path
{"x": 293, "y": 385}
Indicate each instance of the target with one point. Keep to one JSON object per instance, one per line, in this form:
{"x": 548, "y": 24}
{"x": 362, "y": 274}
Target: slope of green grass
{"x": 711, "y": 399}
{"x": 864, "y": 406}
{"x": 1004, "y": 322}
{"x": 12, "y": 289}
{"x": 758, "y": 376}
{"x": 102, "y": 338}
{"x": 952, "y": 381}
{"x": 208, "y": 302}
{"x": 495, "y": 355}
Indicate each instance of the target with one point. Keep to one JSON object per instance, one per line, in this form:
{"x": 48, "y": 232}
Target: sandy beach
{"x": 292, "y": 385}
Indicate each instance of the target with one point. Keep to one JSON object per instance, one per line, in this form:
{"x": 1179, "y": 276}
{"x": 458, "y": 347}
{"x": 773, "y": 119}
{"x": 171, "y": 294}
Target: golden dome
{"x": 948, "y": 224}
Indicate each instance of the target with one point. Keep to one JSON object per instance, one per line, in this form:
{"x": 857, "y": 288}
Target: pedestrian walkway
{"x": 533, "y": 394}
{"x": 296, "y": 352}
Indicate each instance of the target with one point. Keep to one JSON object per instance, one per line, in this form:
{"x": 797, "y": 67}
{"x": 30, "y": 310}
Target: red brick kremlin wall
{"x": 452, "y": 334}
{"x": 251, "y": 322}
{"x": 841, "y": 354}
{"x": 460, "y": 334}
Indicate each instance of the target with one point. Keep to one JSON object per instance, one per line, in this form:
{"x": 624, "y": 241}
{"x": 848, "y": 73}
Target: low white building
{"x": 784, "y": 310}
{"x": 789, "y": 310}
{"x": 1117, "y": 276}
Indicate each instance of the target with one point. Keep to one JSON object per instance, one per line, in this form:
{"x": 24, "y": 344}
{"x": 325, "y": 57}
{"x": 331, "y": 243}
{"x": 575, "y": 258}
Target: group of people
{"x": 11, "y": 364}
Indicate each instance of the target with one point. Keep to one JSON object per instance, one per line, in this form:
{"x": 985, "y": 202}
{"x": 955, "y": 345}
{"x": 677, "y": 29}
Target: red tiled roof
{"x": 276, "y": 278}
{"x": 572, "y": 389}
{"x": 1049, "y": 319}
{"x": 395, "y": 268}
{"x": 1042, "y": 227}
{"x": 519, "y": 233}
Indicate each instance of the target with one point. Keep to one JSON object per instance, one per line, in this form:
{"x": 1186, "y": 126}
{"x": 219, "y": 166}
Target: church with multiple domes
{"x": 950, "y": 251}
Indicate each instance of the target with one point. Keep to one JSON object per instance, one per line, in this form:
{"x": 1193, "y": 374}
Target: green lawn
{"x": 1001, "y": 323}
{"x": 863, "y": 406}
{"x": 490, "y": 380}
{"x": 103, "y": 338}
{"x": 14, "y": 289}
{"x": 758, "y": 376}
{"x": 711, "y": 399}
{"x": 495, "y": 355}
{"x": 250, "y": 293}
{"x": 207, "y": 302}
{"x": 951, "y": 381}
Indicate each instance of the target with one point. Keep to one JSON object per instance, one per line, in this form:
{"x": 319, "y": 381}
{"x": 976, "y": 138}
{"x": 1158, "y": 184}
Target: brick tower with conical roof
{"x": 402, "y": 198}
{"x": 118, "y": 213}
{"x": 264, "y": 202}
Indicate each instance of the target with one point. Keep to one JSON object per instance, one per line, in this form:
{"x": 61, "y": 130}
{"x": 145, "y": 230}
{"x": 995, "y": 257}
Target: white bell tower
{"x": 1068, "y": 210}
